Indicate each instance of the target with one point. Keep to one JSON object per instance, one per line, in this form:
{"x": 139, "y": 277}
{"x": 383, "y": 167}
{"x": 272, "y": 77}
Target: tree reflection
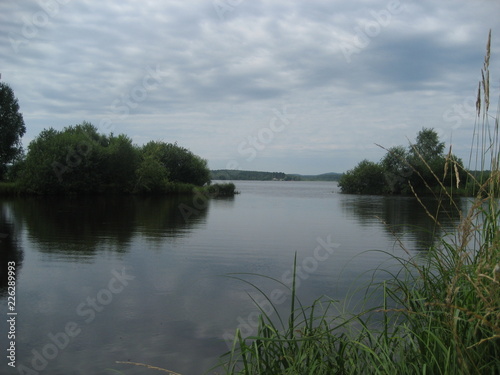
{"x": 10, "y": 251}
{"x": 422, "y": 221}
{"x": 78, "y": 227}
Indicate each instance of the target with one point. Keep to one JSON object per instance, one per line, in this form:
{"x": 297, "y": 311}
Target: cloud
{"x": 224, "y": 71}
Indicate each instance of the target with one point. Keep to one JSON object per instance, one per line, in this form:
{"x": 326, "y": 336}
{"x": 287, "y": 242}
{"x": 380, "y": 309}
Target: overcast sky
{"x": 291, "y": 86}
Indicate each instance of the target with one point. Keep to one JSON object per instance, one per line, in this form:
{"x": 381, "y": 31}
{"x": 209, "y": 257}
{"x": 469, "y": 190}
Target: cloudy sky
{"x": 283, "y": 85}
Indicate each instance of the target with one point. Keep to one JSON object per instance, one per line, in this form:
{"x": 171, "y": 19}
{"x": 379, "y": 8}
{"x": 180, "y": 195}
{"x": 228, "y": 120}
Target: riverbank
{"x": 440, "y": 314}
{"x": 11, "y": 189}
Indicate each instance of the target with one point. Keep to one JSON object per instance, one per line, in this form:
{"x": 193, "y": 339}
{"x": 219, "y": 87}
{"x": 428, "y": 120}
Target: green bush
{"x": 180, "y": 164}
{"x": 421, "y": 169}
{"x": 78, "y": 159}
{"x": 366, "y": 178}
{"x": 221, "y": 190}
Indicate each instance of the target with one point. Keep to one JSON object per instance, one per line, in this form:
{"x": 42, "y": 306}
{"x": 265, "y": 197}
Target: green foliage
{"x": 421, "y": 169}
{"x": 182, "y": 165}
{"x": 9, "y": 188}
{"x": 152, "y": 176}
{"x": 366, "y": 178}
{"x": 78, "y": 159}
{"x": 236, "y": 174}
{"x": 221, "y": 190}
{"x": 396, "y": 169}
{"x": 12, "y": 128}
{"x": 427, "y": 146}
{"x": 332, "y": 176}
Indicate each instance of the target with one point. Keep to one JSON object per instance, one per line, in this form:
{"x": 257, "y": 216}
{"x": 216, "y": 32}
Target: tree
{"x": 427, "y": 161}
{"x": 180, "y": 163}
{"x": 420, "y": 168}
{"x": 396, "y": 169}
{"x": 366, "y": 178}
{"x": 152, "y": 175}
{"x": 12, "y": 128}
{"x": 78, "y": 159}
{"x": 428, "y": 146}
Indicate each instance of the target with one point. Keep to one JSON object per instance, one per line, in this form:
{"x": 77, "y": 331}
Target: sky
{"x": 288, "y": 86}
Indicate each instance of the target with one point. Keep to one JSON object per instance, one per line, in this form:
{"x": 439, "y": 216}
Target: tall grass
{"x": 440, "y": 314}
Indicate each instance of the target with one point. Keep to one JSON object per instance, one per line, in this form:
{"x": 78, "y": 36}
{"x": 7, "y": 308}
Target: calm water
{"x": 109, "y": 279}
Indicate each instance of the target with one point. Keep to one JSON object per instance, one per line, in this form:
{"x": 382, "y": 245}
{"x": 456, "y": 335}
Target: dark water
{"x": 107, "y": 279}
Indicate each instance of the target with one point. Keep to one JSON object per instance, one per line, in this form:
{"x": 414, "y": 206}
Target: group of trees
{"x": 421, "y": 166}
{"x": 80, "y": 159}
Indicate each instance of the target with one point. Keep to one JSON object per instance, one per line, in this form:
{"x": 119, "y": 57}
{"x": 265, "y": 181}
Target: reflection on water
{"x": 77, "y": 227}
{"x": 422, "y": 221}
{"x": 175, "y": 309}
{"x": 10, "y": 251}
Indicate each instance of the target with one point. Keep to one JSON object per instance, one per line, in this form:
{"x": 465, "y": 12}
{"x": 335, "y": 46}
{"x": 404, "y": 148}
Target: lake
{"x": 150, "y": 279}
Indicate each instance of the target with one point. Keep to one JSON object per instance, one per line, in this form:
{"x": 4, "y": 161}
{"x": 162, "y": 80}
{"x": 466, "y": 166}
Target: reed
{"x": 439, "y": 314}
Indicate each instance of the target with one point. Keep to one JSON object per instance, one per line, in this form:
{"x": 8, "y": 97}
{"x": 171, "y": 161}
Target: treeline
{"x": 234, "y": 174}
{"x": 421, "y": 168}
{"x": 320, "y": 177}
{"x": 78, "y": 159}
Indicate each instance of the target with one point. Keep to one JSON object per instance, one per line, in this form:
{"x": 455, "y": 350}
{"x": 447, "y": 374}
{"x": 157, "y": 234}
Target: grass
{"x": 440, "y": 314}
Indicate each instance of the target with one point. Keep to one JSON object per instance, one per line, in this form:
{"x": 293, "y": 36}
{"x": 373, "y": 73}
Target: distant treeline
{"x": 231, "y": 174}
{"x": 321, "y": 177}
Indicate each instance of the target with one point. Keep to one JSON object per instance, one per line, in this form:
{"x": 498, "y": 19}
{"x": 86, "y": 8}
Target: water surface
{"x": 145, "y": 279}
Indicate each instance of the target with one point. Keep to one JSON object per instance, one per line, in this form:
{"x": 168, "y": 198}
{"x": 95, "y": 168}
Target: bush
{"x": 78, "y": 159}
{"x": 180, "y": 163}
{"x": 221, "y": 190}
{"x": 366, "y": 178}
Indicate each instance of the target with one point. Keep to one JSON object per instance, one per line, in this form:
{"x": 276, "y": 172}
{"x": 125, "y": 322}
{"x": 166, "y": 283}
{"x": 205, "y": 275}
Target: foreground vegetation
{"x": 440, "y": 314}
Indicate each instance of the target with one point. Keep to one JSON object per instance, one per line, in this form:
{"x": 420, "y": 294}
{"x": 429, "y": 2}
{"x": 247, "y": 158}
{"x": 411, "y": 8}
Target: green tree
{"x": 427, "y": 146}
{"x": 397, "y": 169}
{"x": 366, "y": 178}
{"x": 152, "y": 175}
{"x": 79, "y": 159}
{"x": 120, "y": 162}
{"x": 182, "y": 165}
{"x": 12, "y": 128}
{"x": 427, "y": 161}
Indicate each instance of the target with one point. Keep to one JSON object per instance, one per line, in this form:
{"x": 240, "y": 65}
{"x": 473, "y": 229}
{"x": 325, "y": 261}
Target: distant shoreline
{"x": 240, "y": 175}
